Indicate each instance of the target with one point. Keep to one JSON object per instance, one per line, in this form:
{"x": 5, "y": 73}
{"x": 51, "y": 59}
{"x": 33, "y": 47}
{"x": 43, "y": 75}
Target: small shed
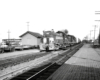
{"x": 31, "y": 38}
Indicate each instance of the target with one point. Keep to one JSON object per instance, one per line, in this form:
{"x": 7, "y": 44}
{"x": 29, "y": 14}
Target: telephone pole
{"x": 8, "y": 34}
{"x": 90, "y": 34}
{"x": 99, "y": 36}
{"x": 94, "y": 33}
{"x": 98, "y": 13}
{"x": 27, "y": 26}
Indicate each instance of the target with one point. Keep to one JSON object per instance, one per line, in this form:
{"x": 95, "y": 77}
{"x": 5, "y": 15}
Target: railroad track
{"x": 17, "y": 60}
{"x": 19, "y": 69}
{"x": 44, "y": 72}
{"x": 14, "y": 60}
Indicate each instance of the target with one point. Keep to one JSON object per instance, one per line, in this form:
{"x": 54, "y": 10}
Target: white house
{"x": 31, "y": 38}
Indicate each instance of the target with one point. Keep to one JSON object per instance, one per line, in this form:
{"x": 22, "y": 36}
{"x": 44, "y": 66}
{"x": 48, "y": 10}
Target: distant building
{"x": 31, "y": 38}
{"x": 12, "y": 41}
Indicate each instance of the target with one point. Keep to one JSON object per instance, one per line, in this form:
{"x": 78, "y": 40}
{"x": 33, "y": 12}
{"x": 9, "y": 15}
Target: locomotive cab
{"x": 47, "y": 43}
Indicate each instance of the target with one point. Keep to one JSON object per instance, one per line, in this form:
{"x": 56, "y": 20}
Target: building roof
{"x": 32, "y": 33}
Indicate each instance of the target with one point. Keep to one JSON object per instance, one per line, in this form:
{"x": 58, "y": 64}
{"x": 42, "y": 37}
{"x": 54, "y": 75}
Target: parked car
{"x": 19, "y": 47}
{"x": 1, "y": 50}
{"x": 36, "y": 46}
{"x": 31, "y": 46}
{"x": 26, "y": 47}
{"x": 7, "y": 48}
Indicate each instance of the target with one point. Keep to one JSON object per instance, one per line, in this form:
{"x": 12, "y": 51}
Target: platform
{"x": 83, "y": 65}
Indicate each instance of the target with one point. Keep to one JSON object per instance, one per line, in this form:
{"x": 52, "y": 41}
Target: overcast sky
{"x": 78, "y": 16}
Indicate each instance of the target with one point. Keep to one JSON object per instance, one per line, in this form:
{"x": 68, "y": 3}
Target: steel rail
{"x": 56, "y": 62}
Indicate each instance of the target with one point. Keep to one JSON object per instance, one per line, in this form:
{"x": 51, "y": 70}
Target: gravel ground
{"x": 19, "y": 59}
{"x": 6, "y": 55}
{"x": 35, "y": 62}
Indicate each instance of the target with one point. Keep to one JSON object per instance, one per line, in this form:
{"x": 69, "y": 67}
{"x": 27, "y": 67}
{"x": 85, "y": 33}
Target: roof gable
{"x": 32, "y": 33}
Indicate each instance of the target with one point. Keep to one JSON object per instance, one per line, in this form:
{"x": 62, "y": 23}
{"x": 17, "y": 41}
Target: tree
{"x": 99, "y": 39}
{"x": 66, "y": 31}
